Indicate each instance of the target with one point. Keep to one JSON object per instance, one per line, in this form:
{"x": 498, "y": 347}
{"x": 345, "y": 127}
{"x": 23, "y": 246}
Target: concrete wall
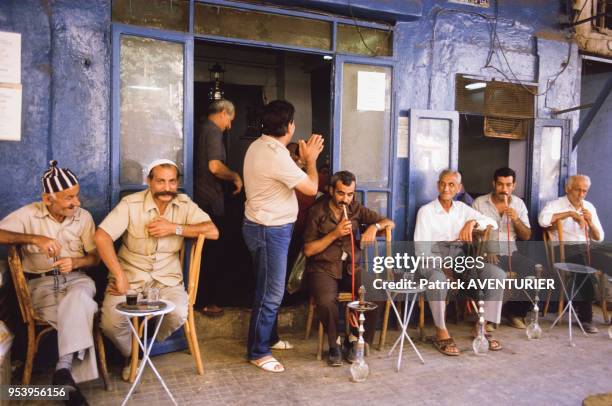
{"x": 595, "y": 149}
{"x": 66, "y": 86}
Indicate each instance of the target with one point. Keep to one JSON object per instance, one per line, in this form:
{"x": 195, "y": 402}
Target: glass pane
{"x": 151, "y": 105}
{"x": 359, "y": 196}
{"x": 353, "y": 39}
{"x": 431, "y": 143}
{"x": 165, "y": 14}
{"x": 377, "y": 201}
{"x": 550, "y": 163}
{"x": 257, "y": 26}
{"x": 366, "y": 122}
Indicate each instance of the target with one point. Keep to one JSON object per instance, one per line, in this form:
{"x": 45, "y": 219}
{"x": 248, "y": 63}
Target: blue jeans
{"x": 269, "y": 246}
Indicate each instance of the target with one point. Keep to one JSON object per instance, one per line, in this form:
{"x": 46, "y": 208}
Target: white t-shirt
{"x": 269, "y": 178}
{"x": 571, "y": 229}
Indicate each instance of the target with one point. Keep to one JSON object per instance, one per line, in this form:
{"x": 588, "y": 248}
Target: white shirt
{"x": 269, "y": 178}
{"x": 571, "y": 229}
{"x": 434, "y": 224}
{"x": 486, "y": 206}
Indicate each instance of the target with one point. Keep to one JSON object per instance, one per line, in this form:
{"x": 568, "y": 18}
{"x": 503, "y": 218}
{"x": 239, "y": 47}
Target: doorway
{"x": 252, "y": 77}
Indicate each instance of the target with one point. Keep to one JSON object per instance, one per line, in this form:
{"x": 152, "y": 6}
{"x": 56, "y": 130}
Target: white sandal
{"x": 282, "y": 345}
{"x": 268, "y": 364}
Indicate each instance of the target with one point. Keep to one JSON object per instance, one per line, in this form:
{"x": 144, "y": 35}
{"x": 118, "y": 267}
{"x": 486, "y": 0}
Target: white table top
{"x": 169, "y": 307}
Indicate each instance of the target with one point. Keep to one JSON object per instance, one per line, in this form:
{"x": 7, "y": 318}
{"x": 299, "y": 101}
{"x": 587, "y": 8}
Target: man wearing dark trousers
{"x": 328, "y": 248}
{"x": 210, "y": 173}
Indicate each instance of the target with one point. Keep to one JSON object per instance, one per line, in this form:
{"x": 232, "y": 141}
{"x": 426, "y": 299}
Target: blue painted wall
{"x": 595, "y": 150}
{"x": 66, "y": 79}
{"x": 65, "y": 59}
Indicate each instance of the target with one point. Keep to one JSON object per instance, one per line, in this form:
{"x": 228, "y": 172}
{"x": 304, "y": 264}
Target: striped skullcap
{"x": 57, "y": 179}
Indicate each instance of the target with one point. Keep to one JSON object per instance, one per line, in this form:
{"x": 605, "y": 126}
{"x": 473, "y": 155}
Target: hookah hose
{"x": 586, "y": 237}
{"x": 352, "y": 318}
{"x": 508, "y": 240}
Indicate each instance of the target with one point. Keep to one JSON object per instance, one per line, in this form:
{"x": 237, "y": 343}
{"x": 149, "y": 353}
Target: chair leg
{"x": 195, "y": 346}
{"x": 135, "y": 350}
{"x": 602, "y": 291}
{"x": 547, "y": 303}
{"x": 422, "y": 317}
{"x": 309, "y": 317}
{"x": 320, "y": 345}
{"x": 187, "y": 331}
{"x": 31, "y": 351}
{"x": 385, "y": 325}
{"x": 99, "y": 341}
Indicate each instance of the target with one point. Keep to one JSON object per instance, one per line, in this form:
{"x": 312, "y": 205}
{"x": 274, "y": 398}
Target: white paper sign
{"x": 402, "y": 137}
{"x": 371, "y": 88}
{"x": 10, "y": 57}
{"x": 10, "y": 112}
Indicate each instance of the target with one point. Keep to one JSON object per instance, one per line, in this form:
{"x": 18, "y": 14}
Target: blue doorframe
{"x": 187, "y": 40}
{"x": 392, "y": 163}
{"x": 416, "y": 177}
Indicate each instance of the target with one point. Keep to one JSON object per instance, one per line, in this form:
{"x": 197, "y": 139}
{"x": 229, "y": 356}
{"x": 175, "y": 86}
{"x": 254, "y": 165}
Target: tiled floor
{"x": 543, "y": 372}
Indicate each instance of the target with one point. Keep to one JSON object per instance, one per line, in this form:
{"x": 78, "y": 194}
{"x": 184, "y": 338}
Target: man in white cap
{"x": 56, "y": 238}
{"x": 153, "y": 223}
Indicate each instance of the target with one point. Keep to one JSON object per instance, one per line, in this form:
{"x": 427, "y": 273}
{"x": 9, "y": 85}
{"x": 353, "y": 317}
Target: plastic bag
{"x": 297, "y": 274}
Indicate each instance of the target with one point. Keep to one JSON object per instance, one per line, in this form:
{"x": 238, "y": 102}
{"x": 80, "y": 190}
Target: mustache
{"x": 168, "y": 193}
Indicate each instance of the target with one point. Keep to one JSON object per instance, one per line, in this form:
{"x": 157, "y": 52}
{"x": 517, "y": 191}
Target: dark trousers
{"x": 324, "y": 289}
{"x": 583, "y": 303}
{"x": 210, "y": 286}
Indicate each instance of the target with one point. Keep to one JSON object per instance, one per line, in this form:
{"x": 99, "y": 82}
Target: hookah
{"x": 359, "y": 368}
{"x": 533, "y": 330}
{"x": 480, "y": 345}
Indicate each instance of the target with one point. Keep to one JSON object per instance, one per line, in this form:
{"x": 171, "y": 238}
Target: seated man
{"x": 446, "y": 220}
{"x": 579, "y": 220}
{"x": 153, "y": 223}
{"x": 57, "y": 238}
{"x": 328, "y": 248}
{"x": 510, "y": 213}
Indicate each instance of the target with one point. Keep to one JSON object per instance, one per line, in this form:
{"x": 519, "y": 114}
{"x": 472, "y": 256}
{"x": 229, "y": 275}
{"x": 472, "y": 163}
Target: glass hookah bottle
{"x": 610, "y": 331}
{"x": 359, "y": 368}
{"x": 480, "y": 345}
{"x": 534, "y": 331}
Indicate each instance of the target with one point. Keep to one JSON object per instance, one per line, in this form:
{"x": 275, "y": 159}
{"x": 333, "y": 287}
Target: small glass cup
{"x": 131, "y": 298}
{"x": 152, "y": 295}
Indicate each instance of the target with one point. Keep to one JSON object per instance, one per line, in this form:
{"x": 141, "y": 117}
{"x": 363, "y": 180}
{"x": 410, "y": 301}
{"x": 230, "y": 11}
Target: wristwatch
{"x": 378, "y": 227}
{"x": 178, "y": 230}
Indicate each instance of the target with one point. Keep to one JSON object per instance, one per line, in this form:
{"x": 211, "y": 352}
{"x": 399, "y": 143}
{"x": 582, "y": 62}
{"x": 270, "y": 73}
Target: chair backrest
{"x": 195, "y": 259}
{"x": 21, "y": 285}
{"x": 548, "y": 242}
{"x": 480, "y": 237}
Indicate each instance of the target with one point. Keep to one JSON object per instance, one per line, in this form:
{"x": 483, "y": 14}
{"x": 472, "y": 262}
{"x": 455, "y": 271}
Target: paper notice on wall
{"x": 10, "y": 57}
{"x": 402, "y": 137}
{"x": 371, "y": 88}
{"x": 10, "y": 112}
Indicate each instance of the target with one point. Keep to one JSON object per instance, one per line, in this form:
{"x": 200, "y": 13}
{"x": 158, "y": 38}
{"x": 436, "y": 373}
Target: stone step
{"x": 235, "y": 322}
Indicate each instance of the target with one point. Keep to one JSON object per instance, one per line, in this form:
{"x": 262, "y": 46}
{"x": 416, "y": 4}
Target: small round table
{"x": 146, "y": 344}
{"x": 574, "y": 270}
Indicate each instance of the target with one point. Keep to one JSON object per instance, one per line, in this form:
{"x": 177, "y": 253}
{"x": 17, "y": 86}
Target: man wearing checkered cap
{"x": 57, "y": 242}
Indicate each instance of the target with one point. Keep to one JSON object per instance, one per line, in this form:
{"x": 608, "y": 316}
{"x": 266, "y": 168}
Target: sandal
{"x": 268, "y": 364}
{"x": 445, "y": 345}
{"x": 206, "y": 311}
{"x": 494, "y": 345}
{"x": 282, "y": 345}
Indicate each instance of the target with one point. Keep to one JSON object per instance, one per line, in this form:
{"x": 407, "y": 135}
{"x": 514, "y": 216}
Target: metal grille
{"x": 508, "y": 100}
{"x": 466, "y": 100}
{"x": 511, "y": 128}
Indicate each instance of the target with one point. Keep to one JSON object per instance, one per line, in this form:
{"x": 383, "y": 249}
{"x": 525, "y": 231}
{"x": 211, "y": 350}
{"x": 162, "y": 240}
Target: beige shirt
{"x": 75, "y": 234}
{"x": 269, "y": 178}
{"x": 142, "y": 257}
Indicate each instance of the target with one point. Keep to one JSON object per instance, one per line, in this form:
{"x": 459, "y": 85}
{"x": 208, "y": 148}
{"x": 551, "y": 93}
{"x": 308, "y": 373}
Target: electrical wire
{"x": 372, "y": 52}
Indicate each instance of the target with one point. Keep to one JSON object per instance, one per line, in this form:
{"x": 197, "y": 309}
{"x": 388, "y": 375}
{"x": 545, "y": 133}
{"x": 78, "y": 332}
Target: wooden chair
{"x": 35, "y": 323}
{"x": 550, "y": 256}
{"x": 195, "y": 259}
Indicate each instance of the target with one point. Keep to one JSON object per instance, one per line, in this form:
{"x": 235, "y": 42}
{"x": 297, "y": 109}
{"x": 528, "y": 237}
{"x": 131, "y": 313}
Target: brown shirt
{"x": 321, "y": 221}
{"x": 75, "y": 234}
{"x": 145, "y": 258}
